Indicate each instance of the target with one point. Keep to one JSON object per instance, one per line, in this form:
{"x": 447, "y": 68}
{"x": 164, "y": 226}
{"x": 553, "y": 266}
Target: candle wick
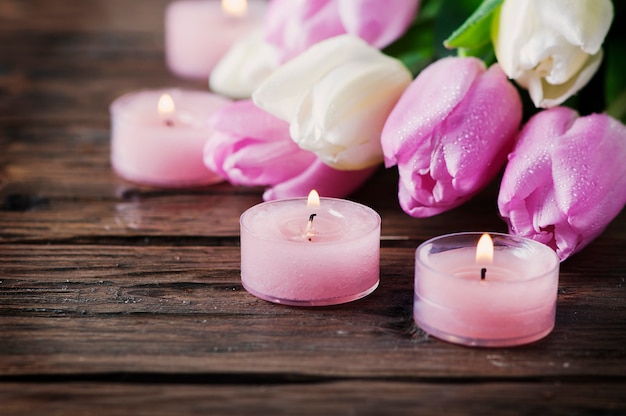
{"x": 308, "y": 231}
{"x": 483, "y": 272}
{"x": 169, "y": 123}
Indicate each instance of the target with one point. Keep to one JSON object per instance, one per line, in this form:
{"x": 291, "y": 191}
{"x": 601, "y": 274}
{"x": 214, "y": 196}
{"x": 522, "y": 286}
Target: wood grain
{"x": 118, "y": 298}
{"x": 337, "y": 397}
{"x": 121, "y": 308}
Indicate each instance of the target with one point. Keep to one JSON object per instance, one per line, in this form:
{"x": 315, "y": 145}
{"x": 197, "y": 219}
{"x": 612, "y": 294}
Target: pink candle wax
{"x": 515, "y": 302}
{"x": 163, "y": 147}
{"x": 285, "y": 258}
{"x": 199, "y": 32}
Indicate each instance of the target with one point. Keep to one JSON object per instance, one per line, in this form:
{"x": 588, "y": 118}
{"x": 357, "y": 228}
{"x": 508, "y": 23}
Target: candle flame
{"x": 166, "y": 105}
{"x": 314, "y": 199}
{"x": 235, "y": 7}
{"x": 484, "y": 249}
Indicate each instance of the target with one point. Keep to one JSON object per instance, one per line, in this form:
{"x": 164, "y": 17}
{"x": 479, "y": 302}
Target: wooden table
{"x": 120, "y": 299}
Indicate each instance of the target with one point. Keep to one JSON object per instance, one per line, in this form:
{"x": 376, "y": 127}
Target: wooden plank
{"x": 338, "y": 397}
{"x": 32, "y": 211}
{"x": 53, "y": 71}
{"x": 82, "y": 15}
{"x": 188, "y": 216}
{"x": 77, "y": 84}
{"x": 56, "y": 183}
{"x": 99, "y": 309}
{"x": 36, "y": 217}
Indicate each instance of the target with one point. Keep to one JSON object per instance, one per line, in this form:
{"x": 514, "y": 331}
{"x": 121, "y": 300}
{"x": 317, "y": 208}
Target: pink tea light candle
{"x": 157, "y": 136}
{"x": 496, "y": 291}
{"x": 309, "y": 252}
{"x": 198, "y": 33}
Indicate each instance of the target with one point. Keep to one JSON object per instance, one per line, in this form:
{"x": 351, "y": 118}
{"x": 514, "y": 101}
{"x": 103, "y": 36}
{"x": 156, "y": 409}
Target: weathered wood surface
{"x": 94, "y": 309}
{"x": 123, "y": 299}
{"x": 361, "y": 397}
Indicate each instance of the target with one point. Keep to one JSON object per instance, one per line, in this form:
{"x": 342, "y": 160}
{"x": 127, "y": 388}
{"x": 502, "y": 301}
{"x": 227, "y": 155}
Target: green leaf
{"x": 475, "y": 32}
{"x": 452, "y": 15}
{"x": 415, "y": 49}
{"x": 429, "y": 10}
{"x": 485, "y": 53}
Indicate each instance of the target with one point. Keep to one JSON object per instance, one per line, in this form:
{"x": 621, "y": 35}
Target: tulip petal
{"x": 321, "y": 177}
{"x": 294, "y": 25}
{"x": 424, "y": 105}
{"x": 511, "y": 31}
{"x": 340, "y": 118}
{"x": 336, "y": 96}
{"x": 378, "y": 23}
{"x": 250, "y": 147}
{"x": 583, "y": 23}
{"x": 546, "y": 95}
{"x": 450, "y": 133}
{"x": 565, "y": 180}
{"x": 244, "y": 67}
{"x": 591, "y": 188}
{"x": 551, "y": 47}
{"x": 281, "y": 93}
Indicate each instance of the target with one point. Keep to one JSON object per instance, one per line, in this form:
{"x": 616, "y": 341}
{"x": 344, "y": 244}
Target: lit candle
{"x": 199, "y": 32}
{"x": 315, "y": 251}
{"x": 499, "y": 292}
{"x": 157, "y": 136}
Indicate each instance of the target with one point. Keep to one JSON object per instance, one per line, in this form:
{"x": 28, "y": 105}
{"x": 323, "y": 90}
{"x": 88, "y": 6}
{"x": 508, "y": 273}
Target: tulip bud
{"x": 251, "y": 147}
{"x": 450, "y": 133}
{"x": 244, "y": 67}
{"x": 551, "y": 47}
{"x": 379, "y": 23}
{"x": 295, "y": 25}
{"x": 336, "y": 97}
{"x": 566, "y": 179}
{"x": 321, "y": 177}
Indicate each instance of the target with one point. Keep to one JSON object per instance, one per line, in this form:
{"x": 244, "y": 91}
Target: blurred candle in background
{"x": 157, "y": 136}
{"x": 199, "y": 32}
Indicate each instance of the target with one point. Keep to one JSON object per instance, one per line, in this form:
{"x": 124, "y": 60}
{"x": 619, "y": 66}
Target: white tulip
{"x": 336, "y": 97}
{"x": 551, "y": 47}
{"x": 244, "y": 67}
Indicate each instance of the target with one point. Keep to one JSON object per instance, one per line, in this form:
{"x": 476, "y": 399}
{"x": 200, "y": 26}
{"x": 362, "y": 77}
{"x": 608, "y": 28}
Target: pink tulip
{"x": 566, "y": 179}
{"x": 251, "y": 147}
{"x": 294, "y": 25}
{"x": 450, "y": 133}
{"x": 326, "y": 180}
{"x": 377, "y": 22}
